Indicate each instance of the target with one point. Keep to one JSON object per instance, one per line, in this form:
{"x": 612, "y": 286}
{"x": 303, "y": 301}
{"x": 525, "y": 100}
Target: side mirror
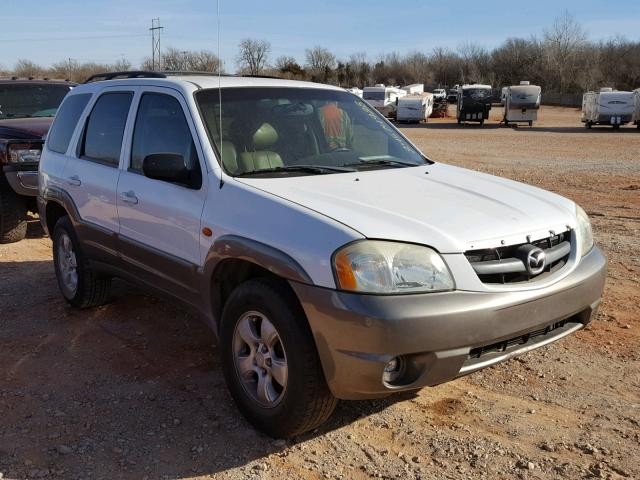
{"x": 169, "y": 167}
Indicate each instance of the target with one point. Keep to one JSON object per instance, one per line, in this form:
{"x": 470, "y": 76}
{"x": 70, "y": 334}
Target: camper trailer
{"x": 474, "y": 103}
{"x": 521, "y": 103}
{"x": 636, "y": 108}
{"x": 607, "y": 107}
{"x": 414, "y": 89}
{"x": 383, "y": 99}
{"x": 356, "y": 91}
{"x": 414, "y": 108}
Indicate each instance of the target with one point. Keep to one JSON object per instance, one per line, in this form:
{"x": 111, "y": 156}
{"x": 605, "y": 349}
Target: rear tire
{"x": 588, "y": 125}
{"x": 270, "y": 361}
{"x": 79, "y": 284}
{"x": 13, "y": 214}
{"x": 616, "y": 127}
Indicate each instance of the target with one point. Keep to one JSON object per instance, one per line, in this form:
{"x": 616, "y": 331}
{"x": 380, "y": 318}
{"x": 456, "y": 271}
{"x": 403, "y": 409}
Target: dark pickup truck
{"x": 27, "y": 108}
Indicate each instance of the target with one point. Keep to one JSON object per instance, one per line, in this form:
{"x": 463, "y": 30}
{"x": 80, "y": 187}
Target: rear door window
{"x": 65, "y": 122}
{"x": 102, "y": 141}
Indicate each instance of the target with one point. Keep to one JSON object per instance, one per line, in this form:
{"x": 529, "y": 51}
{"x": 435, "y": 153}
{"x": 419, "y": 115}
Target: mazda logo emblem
{"x": 536, "y": 261}
{"x": 533, "y": 258}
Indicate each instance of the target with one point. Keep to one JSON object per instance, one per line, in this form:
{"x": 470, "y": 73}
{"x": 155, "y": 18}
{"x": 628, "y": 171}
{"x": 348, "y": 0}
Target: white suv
{"x": 330, "y": 256}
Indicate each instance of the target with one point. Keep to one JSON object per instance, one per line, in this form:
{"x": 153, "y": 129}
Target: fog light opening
{"x": 393, "y": 370}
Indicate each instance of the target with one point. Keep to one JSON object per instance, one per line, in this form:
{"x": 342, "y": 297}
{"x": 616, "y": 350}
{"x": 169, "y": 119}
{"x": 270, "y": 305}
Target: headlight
{"x": 373, "y": 266}
{"x": 24, "y": 154}
{"x": 585, "y": 235}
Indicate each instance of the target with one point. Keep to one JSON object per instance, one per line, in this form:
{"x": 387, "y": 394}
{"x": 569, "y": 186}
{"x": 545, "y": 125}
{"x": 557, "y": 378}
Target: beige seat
{"x": 261, "y": 157}
{"x": 229, "y": 157}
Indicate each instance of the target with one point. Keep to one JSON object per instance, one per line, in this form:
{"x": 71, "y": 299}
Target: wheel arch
{"x": 233, "y": 260}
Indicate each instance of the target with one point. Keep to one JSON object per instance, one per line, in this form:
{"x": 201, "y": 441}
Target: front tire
{"x": 79, "y": 284}
{"x": 270, "y": 361}
{"x": 13, "y": 214}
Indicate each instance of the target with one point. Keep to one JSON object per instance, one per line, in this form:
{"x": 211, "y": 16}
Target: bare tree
{"x": 320, "y": 63}
{"x": 253, "y": 55}
{"x": 289, "y": 67}
{"x": 27, "y": 68}
{"x": 564, "y": 46}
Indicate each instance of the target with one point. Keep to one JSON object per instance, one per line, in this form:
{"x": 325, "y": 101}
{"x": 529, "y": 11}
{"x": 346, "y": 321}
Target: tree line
{"x": 562, "y": 59}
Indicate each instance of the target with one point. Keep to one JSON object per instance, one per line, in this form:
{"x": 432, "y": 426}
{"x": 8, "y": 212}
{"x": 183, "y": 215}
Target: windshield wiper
{"x": 317, "y": 169}
{"x": 381, "y": 161}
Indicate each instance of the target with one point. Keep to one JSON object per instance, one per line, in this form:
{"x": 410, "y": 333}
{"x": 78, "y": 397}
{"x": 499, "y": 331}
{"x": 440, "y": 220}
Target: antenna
{"x": 219, "y": 93}
{"x": 156, "y": 30}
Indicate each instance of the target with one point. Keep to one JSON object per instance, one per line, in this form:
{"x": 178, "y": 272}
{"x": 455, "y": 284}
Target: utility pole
{"x": 156, "y": 30}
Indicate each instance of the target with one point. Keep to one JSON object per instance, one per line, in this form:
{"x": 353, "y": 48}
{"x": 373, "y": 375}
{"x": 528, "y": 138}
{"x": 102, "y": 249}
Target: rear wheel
{"x": 616, "y": 126}
{"x": 80, "y": 285}
{"x": 13, "y": 214}
{"x": 588, "y": 125}
{"x": 270, "y": 361}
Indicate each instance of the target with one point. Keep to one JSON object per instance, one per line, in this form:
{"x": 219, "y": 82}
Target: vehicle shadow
{"x": 129, "y": 390}
{"x": 453, "y": 125}
{"x": 34, "y": 228}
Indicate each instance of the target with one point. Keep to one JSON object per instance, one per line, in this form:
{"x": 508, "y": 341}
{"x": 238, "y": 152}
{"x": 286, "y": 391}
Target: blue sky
{"x": 47, "y": 31}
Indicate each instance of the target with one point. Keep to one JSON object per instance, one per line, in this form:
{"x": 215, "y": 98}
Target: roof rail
{"x": 131, "y": 74}
{"x": 164, "y": 74}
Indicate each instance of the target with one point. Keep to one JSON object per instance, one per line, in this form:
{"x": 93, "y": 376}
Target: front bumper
{"x": 439, "y": 335}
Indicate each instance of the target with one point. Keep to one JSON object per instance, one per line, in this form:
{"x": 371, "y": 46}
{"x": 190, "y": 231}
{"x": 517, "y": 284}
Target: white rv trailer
{"x": 636, "y": 108}
{"x": 383, "y": 99}
{"x": 607, "y": 107}
{"x": 521, "y": 103}
{"x": 356, "y": 91}
{"x": 414, "y": 89}
{"x": 415, "y": 108}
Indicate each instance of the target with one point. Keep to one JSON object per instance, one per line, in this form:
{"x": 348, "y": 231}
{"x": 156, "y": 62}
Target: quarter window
{"x": 65, "y": 122}
{"x": 105, "y": 128}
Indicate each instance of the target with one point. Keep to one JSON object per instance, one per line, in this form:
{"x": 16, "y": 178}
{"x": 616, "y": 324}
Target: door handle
{"x": 74, "y": 180}
{"x": 129, "y": 197}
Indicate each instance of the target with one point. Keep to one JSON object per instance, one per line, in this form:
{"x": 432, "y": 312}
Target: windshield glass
{"x": 31, "y": 100}
{"x": 277, "y": 130}
{"x": 375, "y": 95}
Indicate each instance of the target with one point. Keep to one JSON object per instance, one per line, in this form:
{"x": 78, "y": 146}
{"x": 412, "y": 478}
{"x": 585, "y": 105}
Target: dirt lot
{"x": 134, "y": 389}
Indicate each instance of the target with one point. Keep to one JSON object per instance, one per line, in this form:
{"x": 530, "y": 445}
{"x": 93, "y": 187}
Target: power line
{"x": 88, "y": 37}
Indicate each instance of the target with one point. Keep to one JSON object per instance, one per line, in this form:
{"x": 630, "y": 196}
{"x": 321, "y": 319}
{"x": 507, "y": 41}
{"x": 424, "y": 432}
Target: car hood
{"x": 24, "y": 128}
{"x": 448, "y": 208}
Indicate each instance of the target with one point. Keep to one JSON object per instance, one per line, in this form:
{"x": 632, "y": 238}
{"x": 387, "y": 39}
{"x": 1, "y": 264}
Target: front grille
{"x": 512, "y": 343}
{"x": 504, "y": 265}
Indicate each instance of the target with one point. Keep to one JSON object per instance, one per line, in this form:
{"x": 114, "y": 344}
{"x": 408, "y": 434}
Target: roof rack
{"x": 116, "y": 75}
{"x": 164, "y": 74}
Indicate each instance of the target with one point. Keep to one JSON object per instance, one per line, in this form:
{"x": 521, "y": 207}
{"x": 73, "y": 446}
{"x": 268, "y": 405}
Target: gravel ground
{"x": 134, "y": 389}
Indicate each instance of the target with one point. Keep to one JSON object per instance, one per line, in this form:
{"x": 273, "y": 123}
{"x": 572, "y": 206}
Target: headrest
{"x": 264, "y": 137}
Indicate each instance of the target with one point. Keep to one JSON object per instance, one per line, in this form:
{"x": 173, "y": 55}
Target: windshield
{"x": 374, "y": 95}
{"x": 31, "y": 100}
{"x": 292, "y": 131}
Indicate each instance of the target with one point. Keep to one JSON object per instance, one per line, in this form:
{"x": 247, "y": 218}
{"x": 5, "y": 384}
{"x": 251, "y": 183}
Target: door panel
{"x": 160, "y": 220}
{"x": 92, "y": 182}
